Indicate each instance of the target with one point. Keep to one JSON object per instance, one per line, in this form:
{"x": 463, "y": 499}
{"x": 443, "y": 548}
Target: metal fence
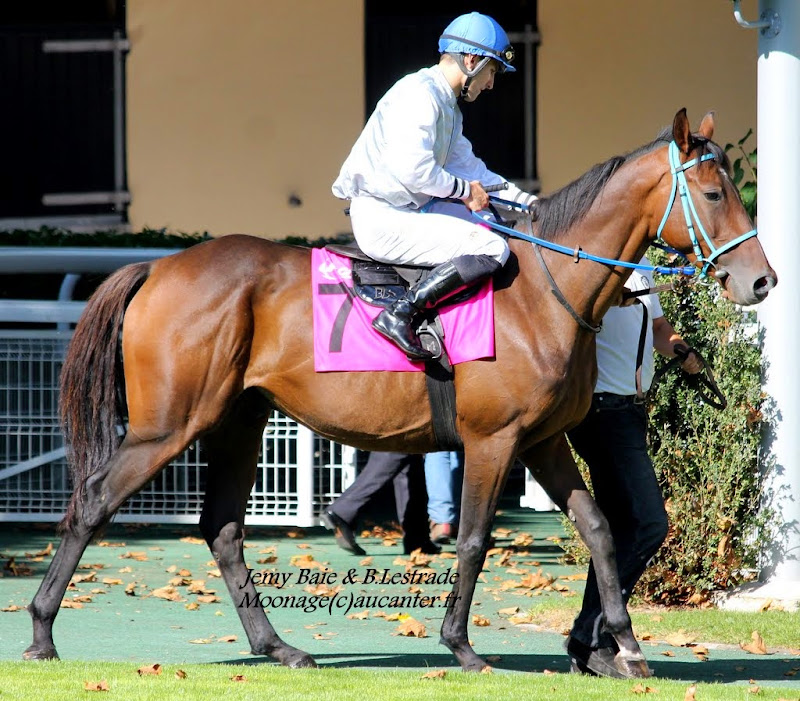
{"x": 298, "y": 471}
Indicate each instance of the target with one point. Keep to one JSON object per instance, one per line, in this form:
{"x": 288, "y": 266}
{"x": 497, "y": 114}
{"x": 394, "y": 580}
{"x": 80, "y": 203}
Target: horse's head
{"x": 705, "y": 218}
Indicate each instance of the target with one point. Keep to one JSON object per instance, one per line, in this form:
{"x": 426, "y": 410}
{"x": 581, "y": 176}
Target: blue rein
{"x": 679, "y": 185}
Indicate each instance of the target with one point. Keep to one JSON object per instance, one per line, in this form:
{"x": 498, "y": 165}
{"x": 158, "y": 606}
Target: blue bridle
{"x": 679, "y": 185}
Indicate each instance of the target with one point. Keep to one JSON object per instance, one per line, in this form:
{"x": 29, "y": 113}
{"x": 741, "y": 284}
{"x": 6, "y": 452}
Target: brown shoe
{"x": 442, "y": 533}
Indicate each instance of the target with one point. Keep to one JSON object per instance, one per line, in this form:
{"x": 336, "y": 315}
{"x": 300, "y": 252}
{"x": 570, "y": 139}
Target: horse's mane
{"x": 566, "y": 207}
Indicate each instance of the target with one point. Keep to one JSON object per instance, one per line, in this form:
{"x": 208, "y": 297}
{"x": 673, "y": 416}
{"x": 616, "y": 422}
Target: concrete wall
{"x": 611, "y": 74}
{"x": 235, "y": 105}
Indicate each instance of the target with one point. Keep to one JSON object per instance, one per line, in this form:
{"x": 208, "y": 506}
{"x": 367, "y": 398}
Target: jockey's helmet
{"x": 478, "y": 34}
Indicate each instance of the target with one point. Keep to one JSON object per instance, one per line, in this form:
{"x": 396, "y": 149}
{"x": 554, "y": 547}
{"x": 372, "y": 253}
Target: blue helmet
{"x": 480, "y": 35}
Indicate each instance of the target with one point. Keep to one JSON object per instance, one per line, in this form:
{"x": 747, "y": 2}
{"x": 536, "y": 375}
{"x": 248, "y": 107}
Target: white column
{"x": 779, "y": 231}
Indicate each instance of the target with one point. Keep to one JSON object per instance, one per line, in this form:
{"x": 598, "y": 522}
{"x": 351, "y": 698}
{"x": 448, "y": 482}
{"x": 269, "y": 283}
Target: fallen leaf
{"x": 510, "y": 611}
{"x": 13, "y": 607}
{"x": 96, "y": 686}
{"x": 642, "y": 689}
{"x": 679, "y": 639}
{"x": 480, "y": 621}
{"x": 202, "y": 641}
{"x": 111, "y": 581}
{"x": 238, "y": 678}
{"x": 193, "y": 540}
{"x": 359, "y": 616}
{"x": 668, "y": 653}
{"x": 153, "y": 669}
{"x": 139, "y": 556}
{"x": 180, "y": 674}
{"x": 412, "y": 629}
{"x": 208, "y": 599}
{"x": 434, "y": 674}
{"x": 757, "y": 646}
{"x": 106, "y": 544}
{"x": 689, "y": 695}
{"x": 227, "y": 639}
{"x": 69, "y": 604}
{"x": 168, "y": 593}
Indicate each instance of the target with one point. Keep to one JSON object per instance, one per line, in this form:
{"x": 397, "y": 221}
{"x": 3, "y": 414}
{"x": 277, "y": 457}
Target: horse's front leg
{"x": 487, "y": 464}
{"x": 553, "y": 466}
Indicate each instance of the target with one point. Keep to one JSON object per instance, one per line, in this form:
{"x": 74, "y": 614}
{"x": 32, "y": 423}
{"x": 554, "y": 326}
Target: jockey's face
{"x": 483, "y": 81}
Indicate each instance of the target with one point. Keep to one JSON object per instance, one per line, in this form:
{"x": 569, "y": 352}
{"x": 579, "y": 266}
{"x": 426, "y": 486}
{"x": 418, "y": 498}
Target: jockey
{"x": 412, "y": 150}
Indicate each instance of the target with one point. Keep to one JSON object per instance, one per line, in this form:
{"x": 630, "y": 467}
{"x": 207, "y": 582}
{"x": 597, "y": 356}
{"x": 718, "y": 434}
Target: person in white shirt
{"x": 411, "y": 151}
{"x": 612, "y": 440}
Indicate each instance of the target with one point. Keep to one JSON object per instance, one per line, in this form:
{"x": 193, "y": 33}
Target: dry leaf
{"x": 152, "y": 669}
{"x": 668, "y": 653}
{"x": 180, "y": 674}
{"x": 642, "y": 689}
{"x": 359, "y": 616}
{"x": 238, "y": 678}
{"x": 412, "y": 629}
{"x": 139, "y": 556}
{"x": 757, "y": 646}
{"x": 111, "y": 581}
{"x": 13, "y": 607}
{"x": 202, "y": 641}
{"x": 227, "y": 639}
{"x": 510, "y": 611}
{"x": 69, "y": 604}
{"x": 168, "y": 593}
{"x": 96, "y": 686}
{"x": 679, "y": 639}
{"x": 106, "y": 544}
{"x": 193, "y": 540}
{"x": 208, "y": 599}
{"x": 434, "y": 674}
{"x": 689, "y": 695}
{"x": 480, "y": 621}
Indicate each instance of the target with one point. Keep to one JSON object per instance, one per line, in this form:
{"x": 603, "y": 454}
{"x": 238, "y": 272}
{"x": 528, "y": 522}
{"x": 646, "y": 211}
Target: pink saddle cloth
{"x": 344, "y": 339}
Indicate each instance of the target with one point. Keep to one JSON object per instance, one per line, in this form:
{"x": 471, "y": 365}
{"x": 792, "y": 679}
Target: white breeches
{"x": 408, "y": 236}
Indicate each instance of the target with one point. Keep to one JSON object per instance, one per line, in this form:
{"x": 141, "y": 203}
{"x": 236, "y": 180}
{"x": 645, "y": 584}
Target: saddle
{"x": 380, "y": 284}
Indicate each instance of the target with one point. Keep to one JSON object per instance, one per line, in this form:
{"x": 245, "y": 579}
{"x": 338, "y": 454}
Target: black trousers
{"x": 612, "y": 441}
{"x": 410, "y": 495}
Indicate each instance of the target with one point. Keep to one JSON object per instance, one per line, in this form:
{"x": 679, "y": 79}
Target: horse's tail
{"x": 91, "y": 403}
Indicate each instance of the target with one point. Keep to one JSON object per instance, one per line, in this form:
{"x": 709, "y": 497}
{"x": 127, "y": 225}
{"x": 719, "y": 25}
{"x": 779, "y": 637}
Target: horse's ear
{"x": 707, "y": 126}
{"x": 681, "y": 132}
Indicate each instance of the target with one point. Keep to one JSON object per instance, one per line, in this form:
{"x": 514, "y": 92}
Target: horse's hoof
{"x": 305, "y": 661}
{"x": 37, "y": 653}
{"x": 632, "y": 667}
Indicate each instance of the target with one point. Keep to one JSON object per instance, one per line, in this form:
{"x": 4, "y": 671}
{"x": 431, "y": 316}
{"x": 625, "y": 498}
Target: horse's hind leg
{"x": 553, "y": 466}
{"x": 232, "y": 453}
{"x": 486, "y": 468}
{"x": 129, "y": 469}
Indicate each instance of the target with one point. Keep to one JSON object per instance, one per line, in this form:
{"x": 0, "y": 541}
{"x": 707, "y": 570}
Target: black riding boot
{"x": 397, "y": 322}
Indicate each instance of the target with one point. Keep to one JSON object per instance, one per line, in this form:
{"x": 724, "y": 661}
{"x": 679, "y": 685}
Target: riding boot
{"x": 397, "y": 322}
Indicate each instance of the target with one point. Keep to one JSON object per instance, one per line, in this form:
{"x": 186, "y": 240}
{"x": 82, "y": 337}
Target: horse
{"x": 217, "y": 336}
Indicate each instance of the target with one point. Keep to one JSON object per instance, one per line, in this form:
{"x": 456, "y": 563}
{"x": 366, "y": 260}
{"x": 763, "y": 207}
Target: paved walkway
{"x": 123, "y": 615}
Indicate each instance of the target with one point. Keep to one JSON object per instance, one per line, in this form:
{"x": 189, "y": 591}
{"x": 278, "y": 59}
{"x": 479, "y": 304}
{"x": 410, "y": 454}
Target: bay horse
{"x": 215, "y": 337}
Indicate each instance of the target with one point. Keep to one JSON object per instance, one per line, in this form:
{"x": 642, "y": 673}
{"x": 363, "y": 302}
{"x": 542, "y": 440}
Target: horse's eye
{"x": 713, "y": 195}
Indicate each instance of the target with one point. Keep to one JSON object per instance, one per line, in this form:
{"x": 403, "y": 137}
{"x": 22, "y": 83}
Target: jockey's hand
{"x": 477, "y": 198}
{"x": 691, "y": 362}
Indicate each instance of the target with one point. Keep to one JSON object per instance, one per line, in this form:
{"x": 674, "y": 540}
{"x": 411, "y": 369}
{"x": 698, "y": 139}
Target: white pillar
{"x": 779, "y": 231}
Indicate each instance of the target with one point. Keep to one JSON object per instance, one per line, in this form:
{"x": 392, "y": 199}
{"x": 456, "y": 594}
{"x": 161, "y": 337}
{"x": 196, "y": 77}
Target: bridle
{"x": 680, "y": 186}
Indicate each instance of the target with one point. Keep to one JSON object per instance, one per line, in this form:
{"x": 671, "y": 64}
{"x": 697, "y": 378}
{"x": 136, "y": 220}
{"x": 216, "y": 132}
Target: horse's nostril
{"x": 763, "y": 285}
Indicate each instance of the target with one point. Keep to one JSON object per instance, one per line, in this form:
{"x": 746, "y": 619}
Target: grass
{"x": 65, "y": 680}
{"x": 779, "y": 629}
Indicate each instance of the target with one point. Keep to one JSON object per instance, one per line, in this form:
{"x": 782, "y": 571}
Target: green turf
{"x": 144, "y": 629}
{"x": 68, "y": 680}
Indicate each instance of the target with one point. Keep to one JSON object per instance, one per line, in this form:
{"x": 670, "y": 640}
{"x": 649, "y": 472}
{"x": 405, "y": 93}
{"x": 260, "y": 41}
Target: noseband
{"x": 679, "y": 185}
